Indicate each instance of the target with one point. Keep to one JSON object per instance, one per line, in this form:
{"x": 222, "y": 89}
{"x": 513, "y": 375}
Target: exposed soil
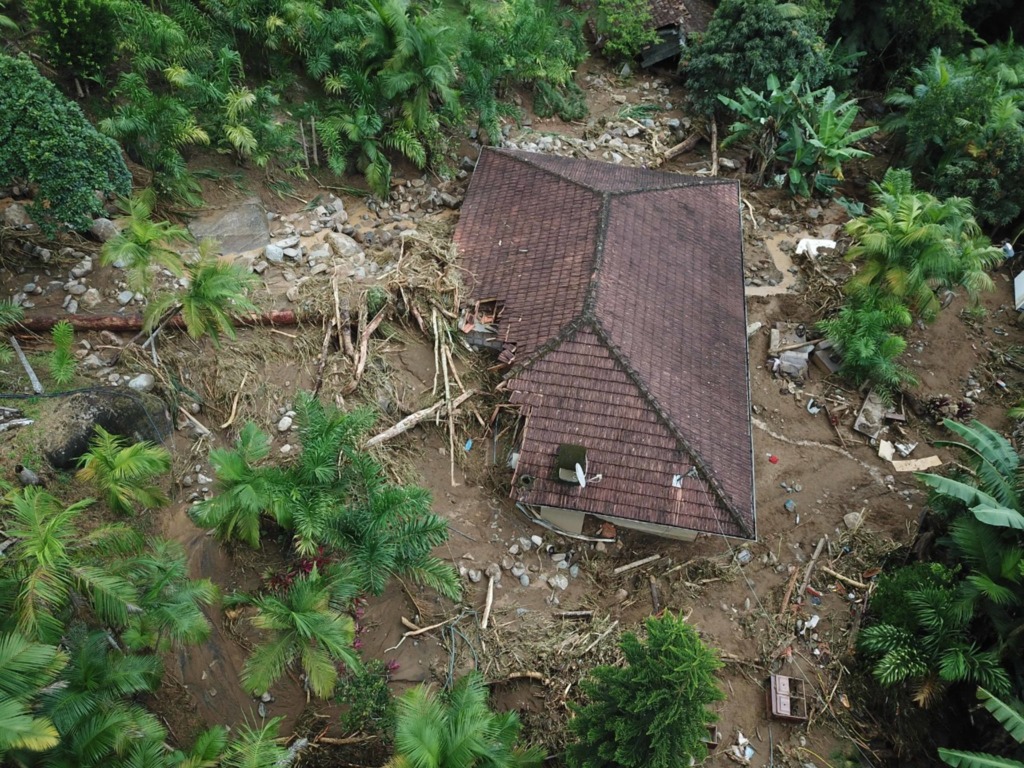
{"x": 533, "y": 656}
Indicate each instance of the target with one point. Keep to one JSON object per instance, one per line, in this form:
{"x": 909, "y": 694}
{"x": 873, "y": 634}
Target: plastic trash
{"x": 469, "y": 444}
{"x": 811, "y": 246}
{"x": 790, "y": 505}
{"x": 772, "y": 459}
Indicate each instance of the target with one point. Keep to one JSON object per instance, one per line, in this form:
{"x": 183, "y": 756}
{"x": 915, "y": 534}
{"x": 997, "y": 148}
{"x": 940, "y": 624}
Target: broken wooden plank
{"x": 636, "y": 564}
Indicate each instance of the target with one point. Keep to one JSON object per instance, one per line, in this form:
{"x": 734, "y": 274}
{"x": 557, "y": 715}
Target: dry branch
{"x": 810, "y": 565}
{"x": 844, "y": 579}
{"x": 413, "y": 419}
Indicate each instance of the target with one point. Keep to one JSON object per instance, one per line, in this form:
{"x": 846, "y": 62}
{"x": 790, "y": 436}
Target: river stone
{"x": 68, "y": 428}
{"x": 242, "y": 227}
{"x": 144, "y": 382}
{"x": 16, "y": 216}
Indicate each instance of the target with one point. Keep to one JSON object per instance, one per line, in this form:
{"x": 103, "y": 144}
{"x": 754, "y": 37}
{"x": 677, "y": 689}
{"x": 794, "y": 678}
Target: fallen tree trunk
{"x": 415, "y": 418}
{"x": 133, "y": 323}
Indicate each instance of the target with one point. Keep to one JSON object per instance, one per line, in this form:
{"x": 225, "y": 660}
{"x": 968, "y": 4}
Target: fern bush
{"x": 62, "y": 362}
{"x": 653, "y": 712}
{"x": 122, "y": 473}
{"x": 624, "y": 27}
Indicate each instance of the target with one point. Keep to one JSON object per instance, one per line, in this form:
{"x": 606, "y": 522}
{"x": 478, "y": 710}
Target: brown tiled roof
{"x": 622, "y": 293}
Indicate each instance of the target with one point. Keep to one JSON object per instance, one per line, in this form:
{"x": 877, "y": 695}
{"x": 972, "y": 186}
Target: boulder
{"x": 104, "y": 230}
{"x": 68, "y": 429}
{"x": 344, "y": 247}
{"x": 242, "y": 227}
{"x": 16, "y": 216}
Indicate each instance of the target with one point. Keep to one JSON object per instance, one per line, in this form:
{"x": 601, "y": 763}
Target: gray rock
{"x": 72, "y": 306}
{"x": 82, "y": 268}
{"x": 518, "y": 569}
{"x": 343, "y": 246}
{"x": 493, "y": 571}
{"x": 288, "y": 242}
{"x": 284, "y": 424}
{"x": 574, "y": 570}
{"x": 525, "y": 544}
{"x": 562, "y": 565}
{"x": 294, "y": 254}
{"x": 78, "y": 289}
{"x": 559, "y": 581}
{"x": 474, "y": 575}
{"x": 558, "y": 556}
{"x": 104, "y": 229}
{"x": 242, "y": 227}
{"x": 16, "y": 216}
{"x": 124, "y": 298}
{"x": 144, "y": 382}
{"x": 514, "y": 549}
{"x": 524, "y": 579}
{"x": 273, "y": 254}
{"x": 292, "y": 294}
{"x": 136, "y": 416}
{"x": 853, "y": 520}
{"x": 507, "y": 563}
{"x": 536, "y": 540}
{"x": 319, "y": 269}
{"x": 91, "y": 298}
{"x": 259, "y": 267}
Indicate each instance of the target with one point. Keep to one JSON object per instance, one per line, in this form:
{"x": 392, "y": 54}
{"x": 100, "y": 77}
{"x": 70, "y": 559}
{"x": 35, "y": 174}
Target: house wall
{"x": 568, "y": 520}
{"x": 666, "y": 531}
{"x": 571, "y": 521}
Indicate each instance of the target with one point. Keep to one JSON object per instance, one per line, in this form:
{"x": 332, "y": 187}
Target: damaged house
{"x": 613, "y": 297}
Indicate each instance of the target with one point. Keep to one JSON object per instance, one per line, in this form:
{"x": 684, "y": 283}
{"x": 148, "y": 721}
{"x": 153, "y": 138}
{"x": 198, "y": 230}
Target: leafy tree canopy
{"x": 749, "y": 41}
{"x": 653, "y": 711}
{"x": 46, "y": 141}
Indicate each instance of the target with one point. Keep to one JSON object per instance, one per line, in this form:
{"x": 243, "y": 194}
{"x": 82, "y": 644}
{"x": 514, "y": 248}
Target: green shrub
{"x": 889, "y": 600}
{"x": 79, "y": 36}
{"x": 801, "y": 136}
{"x": 371, "y": 707}
{"x": 979, "y": 154}
{"x": 46, "y": 141}
{"x": 626, "y": 27}
{"x": 653, "y": 711}
{"x": 748, "y": 41}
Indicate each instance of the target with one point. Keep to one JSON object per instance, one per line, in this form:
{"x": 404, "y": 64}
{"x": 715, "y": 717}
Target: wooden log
{"x": 490, "y": 602}
{"x": 36, "y": 386}
{"x": 655, "y": 593}
{"x": 636, "y": 564}
{"x": 413, "y": 419}
{"x": 684, "y": 146}
{"x": 133, "y": 323}
{"x": 789, "y": 591}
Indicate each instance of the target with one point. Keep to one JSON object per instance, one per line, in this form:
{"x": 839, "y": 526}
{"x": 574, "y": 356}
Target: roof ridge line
{"x": 522, "y": 156}
{"x": 655, "y": 404}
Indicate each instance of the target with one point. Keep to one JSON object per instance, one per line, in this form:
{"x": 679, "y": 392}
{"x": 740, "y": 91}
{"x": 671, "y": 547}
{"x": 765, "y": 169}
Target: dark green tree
{"x": 652, "y": 712}
{"x": 79, "y": 36}
{"x": 749, "y": 41}
{"x": 47, "y": 142}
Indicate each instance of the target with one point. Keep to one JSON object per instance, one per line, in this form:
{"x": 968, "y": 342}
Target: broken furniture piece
{"x": 787, "y": 699}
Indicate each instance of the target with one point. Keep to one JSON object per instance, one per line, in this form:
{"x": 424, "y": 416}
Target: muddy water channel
{"x": 211, "y": 671}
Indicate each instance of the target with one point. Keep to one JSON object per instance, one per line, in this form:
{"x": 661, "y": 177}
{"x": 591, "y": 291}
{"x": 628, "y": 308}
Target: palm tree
{"x": 244, "y": 489}
{"x": 171, "y": 602}
{"x": 143, "y": 243}
{"x": 457, "y": 730}
{"x": 935, "y": 653}
{"x": 25, "y": 669}
{"x": 306, "y": 626}
{"x": 912, "y": 243}
{"x": 93, "y": 711}
{"x": 389, "y": 530}
{"x": 53, "y": 560}
{"x": 988, "y": 539}
{"x": 120, "y": 472}
{"x": 862, "y": 331}
{"x": 1011, "y": 720}
{"x": 216, "y": 289}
